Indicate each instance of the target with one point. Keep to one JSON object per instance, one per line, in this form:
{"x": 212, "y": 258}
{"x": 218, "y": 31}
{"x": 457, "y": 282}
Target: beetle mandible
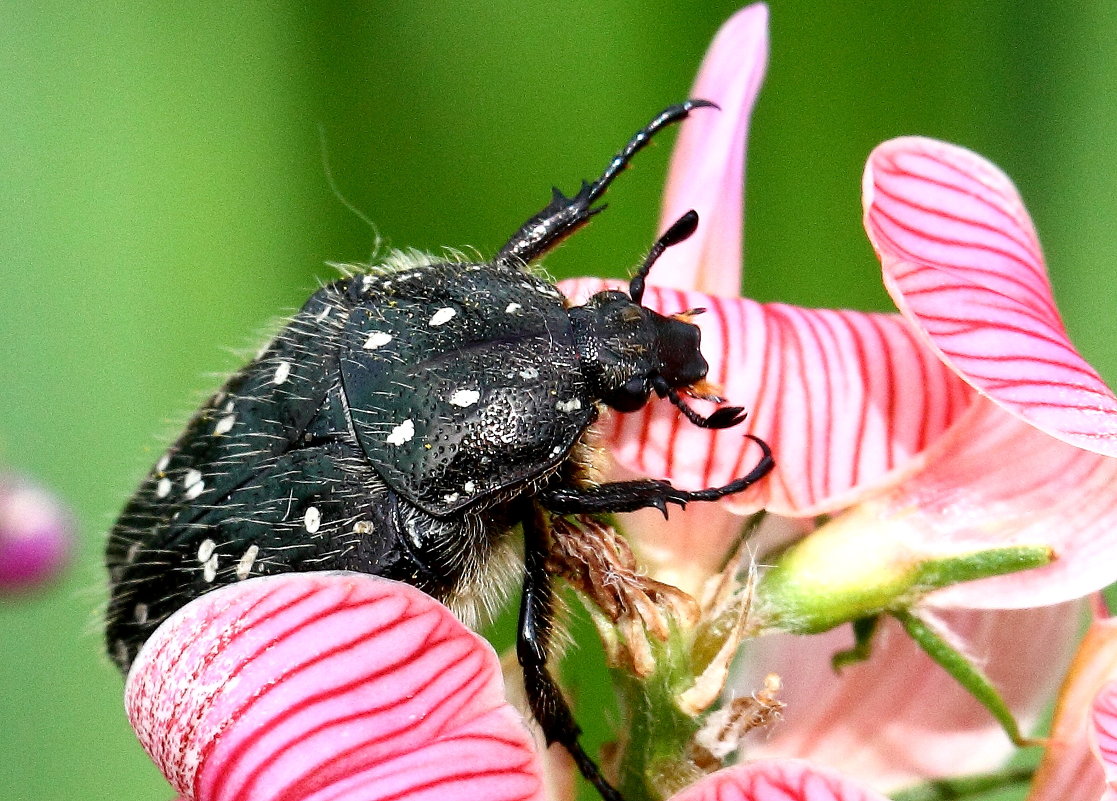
{"x": 404, "y": 423}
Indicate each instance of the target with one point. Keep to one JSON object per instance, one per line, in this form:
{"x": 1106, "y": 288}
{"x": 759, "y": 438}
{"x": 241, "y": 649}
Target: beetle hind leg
{"x": 565, "y": 215}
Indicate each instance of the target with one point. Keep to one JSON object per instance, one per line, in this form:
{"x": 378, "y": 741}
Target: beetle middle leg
{"x": 533, "y": 638}
{"x": 565, "y": 215}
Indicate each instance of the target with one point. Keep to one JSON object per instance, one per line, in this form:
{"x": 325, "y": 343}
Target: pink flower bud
{"x": 36, "y": 534}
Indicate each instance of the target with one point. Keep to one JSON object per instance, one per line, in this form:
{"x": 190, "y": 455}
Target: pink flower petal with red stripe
{"x": 962, "y": 261}
{"x": 707, "y": 171}
{"x": 1103, "y": 720}
{"x": 847, "y": 400}
{"x": 777, "y": 780}
{"x": 1069, "y": 770}
{"x": 327, "y": 686}
{"x": 996, "y": 481}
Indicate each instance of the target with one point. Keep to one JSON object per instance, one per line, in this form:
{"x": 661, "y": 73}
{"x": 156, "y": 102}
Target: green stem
{"x": 964, "y": 672}
{"x": 966, "y": 786}
{"x": 652, "y": 759}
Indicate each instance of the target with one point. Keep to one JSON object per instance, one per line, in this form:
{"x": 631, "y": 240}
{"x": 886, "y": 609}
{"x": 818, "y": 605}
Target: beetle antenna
{"x": 679, "y": 231}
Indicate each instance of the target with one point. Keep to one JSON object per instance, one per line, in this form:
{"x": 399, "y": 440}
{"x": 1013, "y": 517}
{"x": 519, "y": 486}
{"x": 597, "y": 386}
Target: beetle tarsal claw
{"x": 597, "y": 561}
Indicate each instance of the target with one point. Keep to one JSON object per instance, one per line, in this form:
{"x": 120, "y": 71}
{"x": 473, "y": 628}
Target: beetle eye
{"x": 632, "y": 395}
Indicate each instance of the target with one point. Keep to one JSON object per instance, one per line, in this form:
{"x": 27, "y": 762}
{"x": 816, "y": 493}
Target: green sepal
{"x": 840, "y": 574}
{"x": 864, "y": 629}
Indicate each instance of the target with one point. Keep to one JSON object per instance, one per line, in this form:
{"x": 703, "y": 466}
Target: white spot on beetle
{"x": 244, "y": 566}
{"x": 282, "y": 372}
{"x": 206, "y": 549}
{"x": 377, "y": 339}
{"x": 572, "y": 405}
{"x": 225, "y": 424}
{"x": 402, "y": 433}
{"x": 312, "y": 520}
{"x": 194, "y": 490}
{"x": 140, "y": 613}
{"x": 443, "y": 315}
{"x": 209, "y": 569}
{"x": 465, "y": 397}
{"x": 512, "y": 308}
{"x": 362, "y": 527}
{"x": 529, "y": 373}
{"x": 555, "y": 451}
{"x": 161, "y": 465}
{"x": 453, "y": 496}
{"x": 120, "y": 649}
{"x": 191, "y": 478}
{"x": 469, "y": 486}
{"x": 163, "y": 488}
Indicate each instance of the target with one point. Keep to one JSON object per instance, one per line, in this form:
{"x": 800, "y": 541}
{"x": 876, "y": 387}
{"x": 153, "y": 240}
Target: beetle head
{"x": 629, "y": 351}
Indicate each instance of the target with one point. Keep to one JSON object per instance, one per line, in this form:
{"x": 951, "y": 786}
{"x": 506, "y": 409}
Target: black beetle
{"x": 404, "y": 423}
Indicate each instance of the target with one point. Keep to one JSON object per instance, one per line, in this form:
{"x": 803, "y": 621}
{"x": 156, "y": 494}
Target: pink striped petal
{"x": 962, "y": 262}
{"x": 1069, "y": 771}
{"x": 994, "y": 481}
{"x": 776, "y": 780}
{"x": 847, "y": 400}
{"x": 320, "y": 686}
{"x": 707, "y": 171}
{"x": 1103, "y": 719}
{"x": 934, "y": 727}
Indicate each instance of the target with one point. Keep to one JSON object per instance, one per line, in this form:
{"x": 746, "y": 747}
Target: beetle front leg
{"x": 628, "y": 496}
{"x": 534, "y": 634}
{"x": 565, "y": 215}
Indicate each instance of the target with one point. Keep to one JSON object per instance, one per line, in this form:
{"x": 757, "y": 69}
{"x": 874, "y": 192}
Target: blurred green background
{"x": 163, "y": 196}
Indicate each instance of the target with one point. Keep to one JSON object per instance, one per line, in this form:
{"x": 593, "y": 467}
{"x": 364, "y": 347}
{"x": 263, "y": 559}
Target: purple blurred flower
{"x": 36, "y": 534}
